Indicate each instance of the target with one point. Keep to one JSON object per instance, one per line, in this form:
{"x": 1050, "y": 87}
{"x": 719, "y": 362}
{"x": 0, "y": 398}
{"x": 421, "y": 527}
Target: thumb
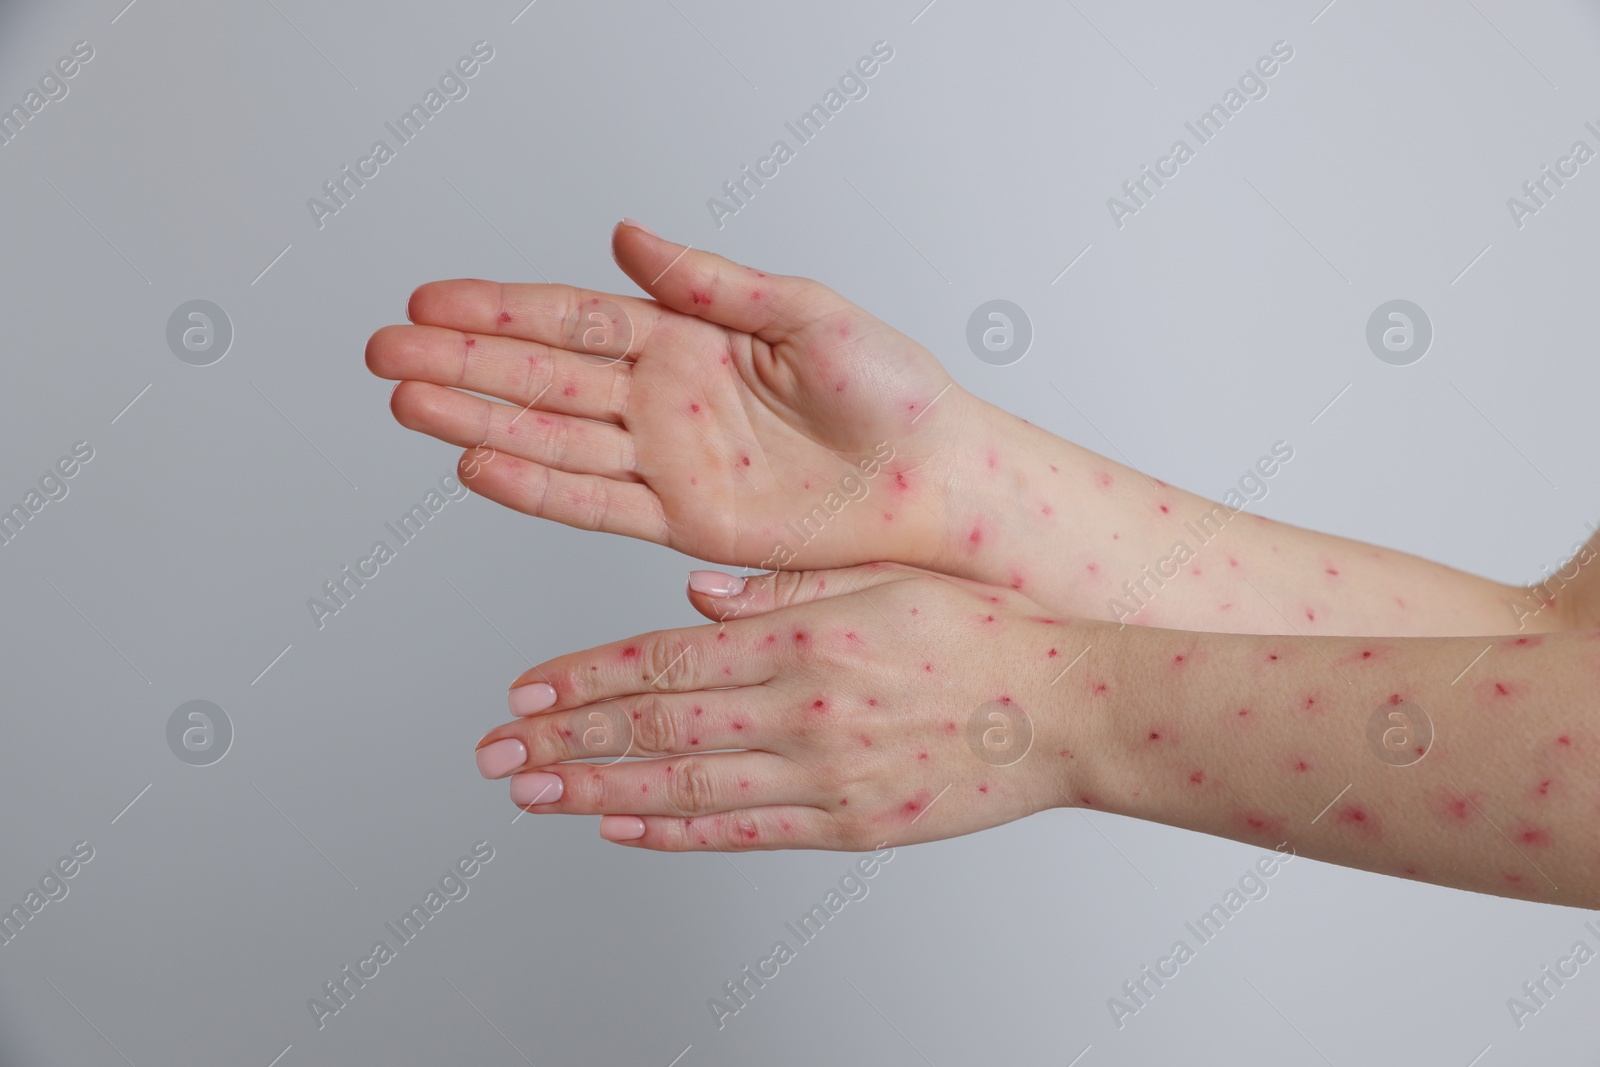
{"x": 720, "y": 596}
{"x": 718, "y": 290}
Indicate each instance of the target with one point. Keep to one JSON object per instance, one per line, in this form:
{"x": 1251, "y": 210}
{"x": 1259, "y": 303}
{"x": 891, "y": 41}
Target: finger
{"x": 525, "y": 373}
{"x": 583, "y": 501}
{"x": 578, "y": 446}
{"x": 722, "y": 596}
{"x": 685, "y": 786}
{"x": 647, "y": 724}
{"x": 745, "y": 830}
{"x": 598, "y": 325}
{"x": 668, "y": 661}
{"x": 718, "y": 290}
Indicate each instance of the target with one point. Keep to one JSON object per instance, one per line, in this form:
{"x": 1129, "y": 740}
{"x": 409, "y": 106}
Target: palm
{"x": 739, "y": 438}
{"x": 740, "y": 413}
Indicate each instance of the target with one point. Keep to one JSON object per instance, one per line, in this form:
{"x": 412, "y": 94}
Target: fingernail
{"x": 641, "y": 226}
{"x": 537, "y": 787}
{"x": 621, "y": 827}
{"x": 715, "y": 583}
{"x": 501, "y": 758}
{"x": 532, "y": 699}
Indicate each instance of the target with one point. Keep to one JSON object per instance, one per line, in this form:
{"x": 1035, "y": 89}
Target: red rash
{"x": 737, "y": 725}
{"x": 1534, "y": 837}
{"x": 1357, "y": 817}
{"x": 631, "y": 652}
{"x": 983, "y": 787}
{"x": 974, "y": 539}
{"x": 866, "y": 741}
{"x": 505, "y": 316}
{"x": 745, "y": 460}
{"x": 472, "y": 342}
{"x": 699, "y": 710}
{"x": 571, "y": 390}
{"x": 819, "y": 706}
{"x": 1052, "y": 654}
{"x": 1165, "y": 510}
{"x": 917, "y": 804}
{"x": 1261, "y": 825}
{"x": 1102, "y": 479}
{"x": 755, "y": 294}
{"x": 799, "y": 637}
{"x": 700, "y": 298}
{"x": 694, "y": 407}
{"x": 949, "y": 727}
{"x": 1197, "y": 778}
{"x": 922, "y": 755}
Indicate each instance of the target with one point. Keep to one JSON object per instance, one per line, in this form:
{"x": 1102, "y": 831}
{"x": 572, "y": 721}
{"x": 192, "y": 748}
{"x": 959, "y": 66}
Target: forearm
{"x": 1094, "y": 538}
{"x": 1325, "y": 745}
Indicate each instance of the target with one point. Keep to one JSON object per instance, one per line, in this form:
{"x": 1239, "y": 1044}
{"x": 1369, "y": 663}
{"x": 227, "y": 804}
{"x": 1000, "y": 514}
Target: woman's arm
{"x": 882, "y": 705}
{"x": 764, "y": 421}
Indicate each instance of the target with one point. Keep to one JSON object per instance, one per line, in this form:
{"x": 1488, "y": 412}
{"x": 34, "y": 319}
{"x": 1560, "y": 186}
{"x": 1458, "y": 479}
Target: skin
{"x": 720, "y": 410}
{"x": 831, "y": 710}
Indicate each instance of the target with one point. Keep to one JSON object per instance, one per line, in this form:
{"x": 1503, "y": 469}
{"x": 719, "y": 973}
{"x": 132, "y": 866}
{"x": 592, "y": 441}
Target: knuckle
{"x": 740, "y": 832}
{"x": 587, "y": 790}
{"x": 659, "y": 727}
{"x": 787, "y": 587}
{"x": 669, "y": 659}
{"x": 690, "y": 789}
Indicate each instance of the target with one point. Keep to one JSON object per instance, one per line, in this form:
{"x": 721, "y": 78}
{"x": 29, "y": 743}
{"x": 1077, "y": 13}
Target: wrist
{"x": 1075, "y": 740}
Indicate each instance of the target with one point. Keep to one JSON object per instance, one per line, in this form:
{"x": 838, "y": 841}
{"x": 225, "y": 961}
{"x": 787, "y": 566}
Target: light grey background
{"x": 1226, "y": 315}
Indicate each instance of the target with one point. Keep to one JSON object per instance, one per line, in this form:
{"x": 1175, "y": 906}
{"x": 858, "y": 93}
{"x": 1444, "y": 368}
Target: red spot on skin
{"x": 1333, "y": 572}
{"x": 727, "y": 670}
{"x": 974, "y": 539}
{"x": 472, "y": 342}
{"x": 1165, "y": 510}
{"x": 983, "y": 787}
{"x": 900, "y": 483}
{"x": 1533, "y": 836}
{"x": 699, "y": 710}
{"x": 594, "y": 668}
{"x": 1260, "y": 824}
{"x": 1197, "y": 778}
{"x": 1177, "y": 661}
{"x": 1310, "y": 703}
{"x": 1543, "y": 788}
{"x": 755, "y": 294}
{"x": 771, "y": 638}
{"x": 887, "y": 517}
{"x": 992, "y": 599}
{"x": 949, "y": 727}
{"x": 644, "y": 789}
{"x": 922, "y": 755}
{"x": 1101, "y": 478}
{"x": 799, "y": 637}
{"x": 838, "y": 387}
{"x": 1046, "y": 509}
{"x": 1244, "y": 712}
{"x": 1052, "y": 654}
{"x": 1232, "y": 562}
{"x": 505, "y": 316}
{"x": 872, "y": 702}
{"x": 928, "y": 667}
{"x": 1311, "y": 615}
{"x": 722, "y": 635}
{"x": 1356, "y": 817}
{"x": 700, "y": 298}
{"x": 819, "y": 705}
{"x": 1301, "y": 766}
{"x": 1394, "y": 698}
{"x": 1273, "y": 656}
{"x": 565, "y": 732}
{"x": 865, "y": 740}
{"x": 850, "y": 635}
{"x": 1092, "y": 568}
{"x": 1564, "y": 741}
{"x": 694, "y": 740}
{"x": 988, "y": 618}
{"x": 1527, "y": 642}
{"x": 1155, "y": 735}
{"x": 631, "y": 652}
{"x": 724, "y": 361}
{"x": 1085, "y": 800}
{"x": 1054, "y": 469}
{"x": 693, "y": 480}
{"x": 693, "y": 407}
{"x": 844, "y": 802}
{"x": 785, "y": 824}
{"x": 571, "y": 390}
{"x": 636, "y": 715}
{"x": 918, "y": 803}
{"x": 745, "y": 460}
{"x": 1099, "y": 688}
{"x": 1458, "y": 808}
{"x": 1366, "y": 654}
{"x": 844, "y": 330}
{"x": 993, "y": 460}
{"x": 737, "y": 725}
{"x": 758, "y": 274}
{"x": 749, "y": 831}
{"x": 1066, "y": 753}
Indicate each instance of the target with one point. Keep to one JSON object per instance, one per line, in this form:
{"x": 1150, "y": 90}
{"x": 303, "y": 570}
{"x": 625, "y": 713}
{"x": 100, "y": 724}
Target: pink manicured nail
{"x": 621, "y": 827}
{"x": 537, "y": 787}
{"x": 501, "y": 758}
{"x": 641, "y": 226}
{"x": 532, "y": 699}
{"x": 715, "y": 583}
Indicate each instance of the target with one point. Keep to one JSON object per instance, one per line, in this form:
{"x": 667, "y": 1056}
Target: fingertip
{"x": 716, "y": 584}
{"x": 621, "y": 827}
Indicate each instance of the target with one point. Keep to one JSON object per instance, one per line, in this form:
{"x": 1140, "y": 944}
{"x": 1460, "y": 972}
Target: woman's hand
{"x": 740, "y": 417}
{"x": 837, "y": 710}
